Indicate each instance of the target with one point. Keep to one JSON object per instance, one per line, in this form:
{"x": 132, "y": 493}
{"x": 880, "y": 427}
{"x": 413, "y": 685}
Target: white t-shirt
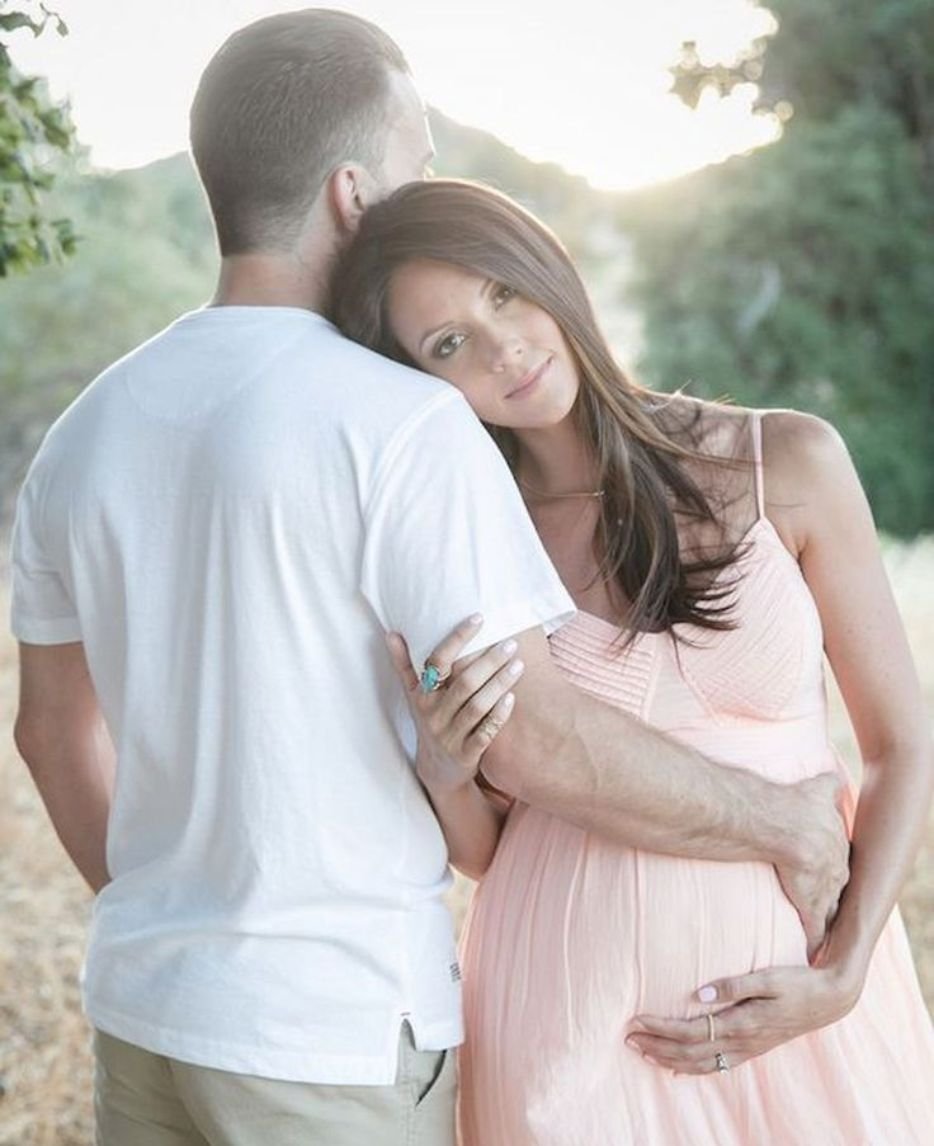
{"x": 230, "y": 518}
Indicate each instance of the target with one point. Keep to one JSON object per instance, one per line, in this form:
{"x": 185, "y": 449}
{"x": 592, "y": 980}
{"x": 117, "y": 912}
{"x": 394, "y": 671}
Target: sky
{"x": 583, "y": 84}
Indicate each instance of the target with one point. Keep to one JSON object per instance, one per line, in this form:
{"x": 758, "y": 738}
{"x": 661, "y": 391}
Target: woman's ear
{"x": 351, "y": 189}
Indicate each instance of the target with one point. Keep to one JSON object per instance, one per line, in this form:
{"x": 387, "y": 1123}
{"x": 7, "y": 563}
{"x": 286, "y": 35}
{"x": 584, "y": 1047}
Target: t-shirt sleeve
{"x": 447, "y": 535}
{"x": 42, "y": 611}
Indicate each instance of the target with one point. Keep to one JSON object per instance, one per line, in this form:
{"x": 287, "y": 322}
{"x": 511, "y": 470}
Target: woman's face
{"x": 506, "y": 355}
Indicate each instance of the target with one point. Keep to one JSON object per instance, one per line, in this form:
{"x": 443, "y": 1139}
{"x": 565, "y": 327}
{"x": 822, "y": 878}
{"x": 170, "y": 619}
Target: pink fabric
{"x": 570, "y": 936}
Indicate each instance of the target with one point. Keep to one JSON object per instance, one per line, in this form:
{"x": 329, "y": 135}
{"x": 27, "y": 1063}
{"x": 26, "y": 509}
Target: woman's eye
{"x": 502, "y": 295}
{"x": 446, "y": 346}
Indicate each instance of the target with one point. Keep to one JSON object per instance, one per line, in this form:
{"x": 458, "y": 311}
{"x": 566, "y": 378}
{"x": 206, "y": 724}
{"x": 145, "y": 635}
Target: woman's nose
{"x": 504, "y": 351}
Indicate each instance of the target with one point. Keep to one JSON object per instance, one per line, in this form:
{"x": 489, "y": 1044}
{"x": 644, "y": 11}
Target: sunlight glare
{"x": 584, "y": 85}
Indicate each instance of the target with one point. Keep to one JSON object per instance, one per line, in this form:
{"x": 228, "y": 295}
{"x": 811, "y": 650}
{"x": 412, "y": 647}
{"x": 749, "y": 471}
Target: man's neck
{"x": 270, "y": 280}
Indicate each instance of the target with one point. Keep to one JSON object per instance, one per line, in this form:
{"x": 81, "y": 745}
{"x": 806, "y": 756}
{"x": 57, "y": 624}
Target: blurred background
{"x": 748, "y": 189}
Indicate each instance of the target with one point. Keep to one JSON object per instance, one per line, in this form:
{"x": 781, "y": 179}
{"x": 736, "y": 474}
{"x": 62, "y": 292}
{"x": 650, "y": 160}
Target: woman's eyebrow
{"x": 486, "y": 286}
{"x": 432, "y": 333}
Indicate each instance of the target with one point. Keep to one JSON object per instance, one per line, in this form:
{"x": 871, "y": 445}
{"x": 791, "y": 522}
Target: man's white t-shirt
{"x": 229, "y": 519}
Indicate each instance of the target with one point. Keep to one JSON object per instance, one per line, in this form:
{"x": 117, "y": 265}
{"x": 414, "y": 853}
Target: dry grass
{"x": 45, "y": 1070}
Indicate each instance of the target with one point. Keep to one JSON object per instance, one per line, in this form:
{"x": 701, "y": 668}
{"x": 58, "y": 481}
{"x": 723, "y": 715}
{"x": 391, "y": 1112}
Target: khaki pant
{"x": 145, "y": 1099}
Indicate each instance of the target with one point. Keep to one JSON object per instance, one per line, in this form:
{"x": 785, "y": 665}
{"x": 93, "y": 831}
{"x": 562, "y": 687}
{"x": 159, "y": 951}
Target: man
{"x": 209, "y": 547}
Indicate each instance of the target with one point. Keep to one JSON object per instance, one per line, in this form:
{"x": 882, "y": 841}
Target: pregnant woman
{"x": 715, "y": 555}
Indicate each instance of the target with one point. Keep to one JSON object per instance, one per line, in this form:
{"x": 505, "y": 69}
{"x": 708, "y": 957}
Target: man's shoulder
{"x": 109, "y": 375}
{"x": 299, "y": 374}
{"x": 375, "y": 372}
{"x": 389, "y": 397}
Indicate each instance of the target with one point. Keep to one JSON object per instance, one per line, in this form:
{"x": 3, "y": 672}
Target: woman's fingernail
{"x": 515, "y": 668}
{"x": 508, "y": 647}
{"x": 508, "y": 700}
{"x": 476, "y": 619}
{"x": 707, "y": 994}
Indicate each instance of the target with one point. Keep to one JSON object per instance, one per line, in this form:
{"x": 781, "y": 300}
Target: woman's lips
{"x": 528, "y": 381}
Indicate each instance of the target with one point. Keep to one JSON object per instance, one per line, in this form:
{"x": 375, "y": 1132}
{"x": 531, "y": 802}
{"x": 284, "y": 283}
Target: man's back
{"x": 236, "y": 511}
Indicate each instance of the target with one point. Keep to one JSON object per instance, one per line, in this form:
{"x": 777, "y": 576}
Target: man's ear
{"x": 351, "y": 189}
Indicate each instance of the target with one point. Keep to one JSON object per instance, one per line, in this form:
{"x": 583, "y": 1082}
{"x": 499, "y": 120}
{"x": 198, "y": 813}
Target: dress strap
{"x": 757, "y": 459}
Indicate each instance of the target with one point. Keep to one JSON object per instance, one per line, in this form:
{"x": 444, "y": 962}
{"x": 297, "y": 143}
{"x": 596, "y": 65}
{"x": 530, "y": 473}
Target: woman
{"x": 714, "y": 554}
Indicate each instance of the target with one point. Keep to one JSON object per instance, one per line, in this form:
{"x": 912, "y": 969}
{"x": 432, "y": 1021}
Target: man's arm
{"x": 61, "y": 735}
{"x": 603, "y": 769}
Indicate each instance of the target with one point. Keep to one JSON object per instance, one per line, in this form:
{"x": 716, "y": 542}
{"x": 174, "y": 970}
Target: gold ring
{"x": 711, "y": 1029}
{"x": 489, "y": 728}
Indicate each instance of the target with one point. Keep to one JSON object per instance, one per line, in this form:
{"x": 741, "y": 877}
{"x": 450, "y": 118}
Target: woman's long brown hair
{"x": 639, "y": 460}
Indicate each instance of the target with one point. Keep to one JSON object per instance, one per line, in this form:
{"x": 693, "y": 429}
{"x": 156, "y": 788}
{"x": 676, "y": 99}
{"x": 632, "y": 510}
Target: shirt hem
{"x": 281, "y": 1064}
{"x": 57, "y": 631}
{"x": 547, "y": 612}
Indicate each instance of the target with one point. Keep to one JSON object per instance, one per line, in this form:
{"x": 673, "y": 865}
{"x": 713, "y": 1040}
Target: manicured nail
{"x": 515, "y": 668}
{"x": 476, "y": 619}
{"x": 707, "y": 994}
{"x": 508, "y": 647}
{"x": 508, "y": 700}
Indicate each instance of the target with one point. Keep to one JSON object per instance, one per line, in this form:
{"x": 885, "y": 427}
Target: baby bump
{"x": 569, "y": 932}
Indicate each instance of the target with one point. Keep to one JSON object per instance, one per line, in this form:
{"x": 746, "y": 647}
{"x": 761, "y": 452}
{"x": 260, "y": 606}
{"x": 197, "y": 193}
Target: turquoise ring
{"x": 431, "y": 679}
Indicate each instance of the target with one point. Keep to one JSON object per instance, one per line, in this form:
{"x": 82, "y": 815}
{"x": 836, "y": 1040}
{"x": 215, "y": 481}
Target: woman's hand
{"x": 456, "y": 723}
{"x": 763, "y": 1010}
{"x": 459, "y": 720}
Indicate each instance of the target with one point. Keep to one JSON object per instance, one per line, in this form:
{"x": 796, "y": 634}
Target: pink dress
{"x": 569, "y": 936}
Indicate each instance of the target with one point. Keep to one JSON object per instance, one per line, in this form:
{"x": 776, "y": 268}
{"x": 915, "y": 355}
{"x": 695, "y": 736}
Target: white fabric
{"x": 228, "y": 519}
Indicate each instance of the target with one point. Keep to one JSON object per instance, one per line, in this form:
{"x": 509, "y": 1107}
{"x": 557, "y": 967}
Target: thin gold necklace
{"x": 544, "y": 494}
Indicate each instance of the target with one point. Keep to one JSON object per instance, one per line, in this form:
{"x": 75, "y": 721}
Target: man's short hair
{"x": 283, "y": 102}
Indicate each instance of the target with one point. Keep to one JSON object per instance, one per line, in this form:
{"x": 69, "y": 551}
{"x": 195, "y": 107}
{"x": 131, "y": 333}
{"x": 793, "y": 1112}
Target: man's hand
{"x": 815, "y": 873}
{"x": 765, "y": 1009}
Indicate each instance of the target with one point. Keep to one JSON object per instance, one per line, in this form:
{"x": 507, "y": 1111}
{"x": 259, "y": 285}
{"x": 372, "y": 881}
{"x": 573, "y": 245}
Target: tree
{"x": 33, "y": 131}
{"x": 832, "y": 54}
{"x": 803, "y": 274}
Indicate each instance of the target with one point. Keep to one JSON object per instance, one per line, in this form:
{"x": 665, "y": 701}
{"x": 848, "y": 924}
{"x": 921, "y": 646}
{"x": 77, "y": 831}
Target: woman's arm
{"x": 818, "y": 506}
{"x": 456, "y": 724}
{"x": 868, "y": 652}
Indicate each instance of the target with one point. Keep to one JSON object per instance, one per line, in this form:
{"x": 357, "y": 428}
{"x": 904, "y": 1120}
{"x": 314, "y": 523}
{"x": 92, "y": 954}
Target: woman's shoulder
{"x": 788, "y": 430}
{"x": 796, "y": 449}
{"x": 796, "y": 445}
{"x": 805, "y": 464}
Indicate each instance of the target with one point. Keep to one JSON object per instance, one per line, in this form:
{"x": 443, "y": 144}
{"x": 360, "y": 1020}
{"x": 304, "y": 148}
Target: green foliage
{"x": 147, "y": 255}
{"x": 803, "y": 275}
{"x": 33, "y": 132}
